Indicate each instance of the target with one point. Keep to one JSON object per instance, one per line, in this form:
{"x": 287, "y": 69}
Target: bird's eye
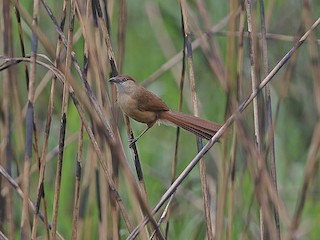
{"x": 123, "y": 80}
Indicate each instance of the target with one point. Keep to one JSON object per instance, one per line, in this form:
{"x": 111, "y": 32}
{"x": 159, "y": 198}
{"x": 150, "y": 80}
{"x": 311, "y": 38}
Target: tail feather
{"x": 201, "y": 127}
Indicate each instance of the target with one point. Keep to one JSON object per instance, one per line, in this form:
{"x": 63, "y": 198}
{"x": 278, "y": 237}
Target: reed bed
{"x": 67, "y": 171}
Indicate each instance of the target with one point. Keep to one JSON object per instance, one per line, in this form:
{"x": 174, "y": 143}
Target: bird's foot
{"x": 132, "y": 142}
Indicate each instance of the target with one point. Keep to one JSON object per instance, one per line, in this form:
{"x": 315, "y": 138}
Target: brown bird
{"x": 145, "y": 107}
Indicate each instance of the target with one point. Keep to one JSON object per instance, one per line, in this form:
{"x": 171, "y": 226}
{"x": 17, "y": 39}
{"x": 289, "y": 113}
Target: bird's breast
{"x": 130, "y": 107}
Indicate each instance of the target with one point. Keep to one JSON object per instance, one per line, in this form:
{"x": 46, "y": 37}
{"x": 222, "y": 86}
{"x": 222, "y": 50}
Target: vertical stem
{"x": 254, "y": 83}
{"x": 6, "y": 209}
{"x": 270, "y": 127}
{"x": 76, "y": 203}
{"x": 63, "y": 120}
{"x": 204, "y": 183}
{"x": 29, "y": 125}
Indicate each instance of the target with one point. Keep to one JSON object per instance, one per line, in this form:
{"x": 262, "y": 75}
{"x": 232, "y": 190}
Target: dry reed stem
{"x": 6, "y": 152}
{"x": 2, "y": 236}
{"x": 224, "y": 177}
{"x": 63, "y": 121}
{"x": 188, "y": 49}
{"x": 29, "y": 127}
{"x": 17, "y": 97}
{"x": 76, "y": 203}
{"x": 258, "y": 108}
{"x": 269, "y": 123}
{"x": 234, "y": 78}
{"x": 21, "y": 38}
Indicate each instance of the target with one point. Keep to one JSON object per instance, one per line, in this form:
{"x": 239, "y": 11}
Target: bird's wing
{"x": 150, "y": 102}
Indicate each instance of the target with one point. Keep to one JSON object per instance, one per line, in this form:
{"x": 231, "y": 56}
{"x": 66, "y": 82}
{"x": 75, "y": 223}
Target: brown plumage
{"x": 144, "y": 106}
{"x": 201, "y": 127}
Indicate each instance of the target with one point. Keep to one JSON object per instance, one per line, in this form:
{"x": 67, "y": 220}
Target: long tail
{"x": 198, "y": 126}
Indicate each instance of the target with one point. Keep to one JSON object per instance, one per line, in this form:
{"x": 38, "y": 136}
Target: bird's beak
{"x": 113, "y": 80}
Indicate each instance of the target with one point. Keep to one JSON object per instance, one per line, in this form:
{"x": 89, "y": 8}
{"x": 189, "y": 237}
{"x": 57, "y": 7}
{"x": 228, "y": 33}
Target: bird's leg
{"x": 132, "y": 141}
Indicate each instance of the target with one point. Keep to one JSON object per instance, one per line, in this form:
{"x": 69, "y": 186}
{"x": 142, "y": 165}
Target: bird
{"x": 144, "y": 106}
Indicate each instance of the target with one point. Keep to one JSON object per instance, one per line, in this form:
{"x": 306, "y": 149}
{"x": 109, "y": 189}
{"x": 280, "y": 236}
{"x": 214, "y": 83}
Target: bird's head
{"x": 123, "y": 82}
